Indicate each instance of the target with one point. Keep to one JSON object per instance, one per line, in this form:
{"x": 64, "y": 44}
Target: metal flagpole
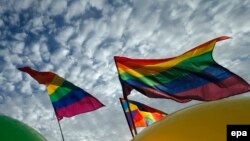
{"x": 126, "y": 100}
{"x": 127, "y": 119}
{"x": 130, "y": 113}
{"x": 60, "y": 130}
{"x": 58, "y": 124}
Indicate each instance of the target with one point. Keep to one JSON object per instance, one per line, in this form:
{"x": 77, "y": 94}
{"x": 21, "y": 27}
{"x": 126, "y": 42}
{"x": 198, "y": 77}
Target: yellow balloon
{"x": 203, "y": 122}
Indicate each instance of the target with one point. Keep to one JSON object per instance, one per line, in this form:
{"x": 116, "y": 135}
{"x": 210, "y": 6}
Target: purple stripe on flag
{"x": 211, "y": 91}
{"x": 84, "y": 105}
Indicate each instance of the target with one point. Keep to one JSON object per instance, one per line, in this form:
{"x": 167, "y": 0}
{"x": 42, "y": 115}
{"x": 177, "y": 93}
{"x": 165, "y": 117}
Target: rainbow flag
{"x": 192, "y": 75}
{"x": 67, "y": 99}
{"x": 142, "y": 114}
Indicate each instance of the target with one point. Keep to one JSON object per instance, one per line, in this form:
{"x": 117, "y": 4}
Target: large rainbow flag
{"x": 67, "y": 99}
{"x": 141, "y": 114}
{"x": 192, "y": 75}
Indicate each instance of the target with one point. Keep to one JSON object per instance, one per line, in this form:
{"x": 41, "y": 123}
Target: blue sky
{"x": 78, "y": 39}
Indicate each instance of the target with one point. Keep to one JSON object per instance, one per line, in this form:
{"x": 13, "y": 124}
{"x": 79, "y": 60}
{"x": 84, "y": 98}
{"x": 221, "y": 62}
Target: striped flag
{"x": 141, "y": 114}
{"x": 192, "y": 75}
{"x": 67, "y": 99}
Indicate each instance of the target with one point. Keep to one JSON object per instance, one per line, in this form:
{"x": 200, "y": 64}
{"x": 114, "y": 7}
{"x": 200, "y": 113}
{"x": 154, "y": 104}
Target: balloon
{"x": 14, "y": 130}
{"x": 202, "y": 122}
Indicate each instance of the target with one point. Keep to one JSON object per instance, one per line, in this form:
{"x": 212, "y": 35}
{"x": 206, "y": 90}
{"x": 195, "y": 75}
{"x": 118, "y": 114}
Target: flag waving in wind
{"x": 192, "y": 75}
{"x": 142, "y": 115}
{"x": 67, "y": 99}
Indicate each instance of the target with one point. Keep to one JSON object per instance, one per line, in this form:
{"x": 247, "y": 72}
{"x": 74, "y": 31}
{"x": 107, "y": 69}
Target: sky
{"x": 78, "y": 40}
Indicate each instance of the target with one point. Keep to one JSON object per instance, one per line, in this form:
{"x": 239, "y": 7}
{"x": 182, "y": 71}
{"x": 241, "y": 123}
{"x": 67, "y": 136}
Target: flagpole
{"x": 127, "y": 119}
{"x": 60, "y": 130}
{"x": 58, "y": 122}
{"x": 130, "y": 113}
{"x": 126, "y": 99}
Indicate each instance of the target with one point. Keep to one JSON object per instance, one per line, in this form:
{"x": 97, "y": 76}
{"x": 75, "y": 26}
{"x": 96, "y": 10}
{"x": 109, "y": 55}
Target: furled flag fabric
{"x": 67, "y": 99}
{"x": 192, "y": 75}
{"x": 142, "y": 114}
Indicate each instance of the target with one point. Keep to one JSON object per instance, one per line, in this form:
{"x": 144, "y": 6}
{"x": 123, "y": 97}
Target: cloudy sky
{"x": 78, "y": 39}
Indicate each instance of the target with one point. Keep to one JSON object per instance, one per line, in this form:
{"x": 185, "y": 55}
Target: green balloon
{"x": 14, "y": 130}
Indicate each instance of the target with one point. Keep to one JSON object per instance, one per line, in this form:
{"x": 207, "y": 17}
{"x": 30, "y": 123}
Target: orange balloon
{"x": 202, "y": 122}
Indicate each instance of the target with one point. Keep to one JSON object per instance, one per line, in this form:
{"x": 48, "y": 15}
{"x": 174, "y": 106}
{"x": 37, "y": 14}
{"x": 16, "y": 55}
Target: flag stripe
{"x": 214, "y": 73}
{"x": 72, "y": 97}
{"x": 210, "y": 91}
{"x": 173, "y": 73}
{"x": 159, "y": 67}
{"x": 89, "y": 103}
{"x": 229, "y": 86}
{"x": 137, "y": 63}
{"x": 158, "y": 94}
{"x": 54, "y": 84}
{"x": 143, "y": 107}
{"x": 62, "y": 90}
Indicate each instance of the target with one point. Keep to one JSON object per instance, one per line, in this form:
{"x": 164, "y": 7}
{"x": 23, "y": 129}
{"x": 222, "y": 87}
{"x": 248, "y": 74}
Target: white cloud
{"x": 99, "y": 4}
{"x": 57, "y": 7}
{"x": 76, "y": 8}
{"x": 44, "y": 5}
{"x": 64, "y": 35}
{"x": 16, "y": 47}
{"x": 45, "y": 54}
{"x": 120, "y": 22}
{"x": 20, "y": 36}
{"x": 25, "y": 88}
{"x": 22, "y": 5}
{"x": 36, "y": 24}
{"x": 35, "y": 54}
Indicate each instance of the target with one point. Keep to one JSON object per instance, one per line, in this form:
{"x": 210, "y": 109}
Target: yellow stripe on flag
{"x": 56, "y": 82}
{"x": 156, "y": 68}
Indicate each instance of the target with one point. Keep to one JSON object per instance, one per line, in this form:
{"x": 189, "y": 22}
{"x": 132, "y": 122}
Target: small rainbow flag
{"x": 192, "y": 75}
{"x": 67, "y": 99}
{"x": 142, "y": 114}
